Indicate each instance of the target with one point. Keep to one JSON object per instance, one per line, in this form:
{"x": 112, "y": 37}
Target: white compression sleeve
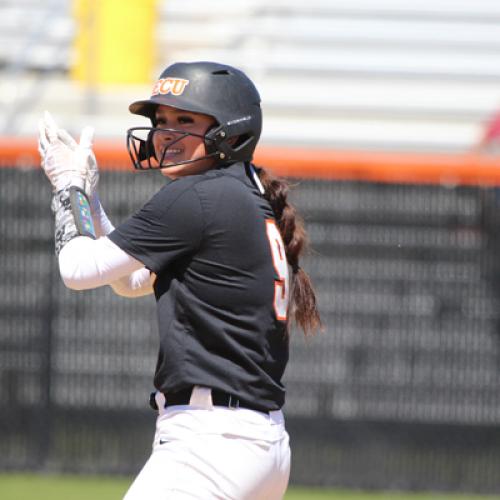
{"x": 102, "y": 224}
{"x": 85, "y": 263}
{"x": 134, "y": 285}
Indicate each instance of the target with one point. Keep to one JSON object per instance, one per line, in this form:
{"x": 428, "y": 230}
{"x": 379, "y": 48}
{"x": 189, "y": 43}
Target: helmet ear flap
{"x": 216, "y": 143}
{"x": 226, "y": 142}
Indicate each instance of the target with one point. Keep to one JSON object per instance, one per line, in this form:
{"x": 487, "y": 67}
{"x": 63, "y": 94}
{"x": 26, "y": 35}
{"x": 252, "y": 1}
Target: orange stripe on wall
{"x": 372, "y": 166}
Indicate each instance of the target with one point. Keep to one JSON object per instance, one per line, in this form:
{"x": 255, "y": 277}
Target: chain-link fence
{"x": 401, "y": 391}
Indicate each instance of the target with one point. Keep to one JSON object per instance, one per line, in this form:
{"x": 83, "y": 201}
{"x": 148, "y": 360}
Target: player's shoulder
{"x": 179, "y": 186}
{"x": 230, "y": 178}
{"x": 221, "y": 185}
{"x": 175, "y": 193}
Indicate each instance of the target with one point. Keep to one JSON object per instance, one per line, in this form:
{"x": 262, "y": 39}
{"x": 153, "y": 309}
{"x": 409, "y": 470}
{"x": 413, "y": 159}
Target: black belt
{"x": 219, "y": 398}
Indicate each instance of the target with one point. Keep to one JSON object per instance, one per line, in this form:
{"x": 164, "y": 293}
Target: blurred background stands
{"x": 352, "y": 74}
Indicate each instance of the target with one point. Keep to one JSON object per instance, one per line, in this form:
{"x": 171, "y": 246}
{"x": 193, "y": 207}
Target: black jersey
{"x": 209, "y": 239}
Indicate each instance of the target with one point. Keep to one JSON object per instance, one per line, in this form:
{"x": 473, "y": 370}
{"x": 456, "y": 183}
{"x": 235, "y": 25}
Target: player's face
{"x": 185, "y": 148}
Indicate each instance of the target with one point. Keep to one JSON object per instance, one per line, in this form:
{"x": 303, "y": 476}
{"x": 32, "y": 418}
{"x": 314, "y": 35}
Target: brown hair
{"x": 302, "y": 306}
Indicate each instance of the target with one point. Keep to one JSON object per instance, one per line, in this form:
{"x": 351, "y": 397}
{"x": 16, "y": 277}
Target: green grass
{"x": 310, "y": 494}
{"x": 47, "y": 487}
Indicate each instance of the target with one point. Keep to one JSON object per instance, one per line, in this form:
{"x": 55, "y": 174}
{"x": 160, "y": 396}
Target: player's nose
{"x": 164, "y": 135}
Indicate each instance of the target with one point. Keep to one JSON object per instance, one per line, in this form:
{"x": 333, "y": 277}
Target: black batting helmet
{"x": 218, "y": 90}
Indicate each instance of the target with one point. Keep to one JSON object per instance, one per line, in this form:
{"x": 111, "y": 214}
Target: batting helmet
{"x": 220, "y": 91}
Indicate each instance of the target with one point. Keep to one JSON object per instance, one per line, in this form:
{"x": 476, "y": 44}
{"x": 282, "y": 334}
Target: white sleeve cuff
{"x": 102, "y": 224}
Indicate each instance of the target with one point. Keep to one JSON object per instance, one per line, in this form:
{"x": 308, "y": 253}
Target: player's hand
{"x": 84, "y": 155}
{"x": 65, "y": 162}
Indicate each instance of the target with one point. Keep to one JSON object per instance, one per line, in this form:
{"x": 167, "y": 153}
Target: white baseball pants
{"x": 210, "y": 452}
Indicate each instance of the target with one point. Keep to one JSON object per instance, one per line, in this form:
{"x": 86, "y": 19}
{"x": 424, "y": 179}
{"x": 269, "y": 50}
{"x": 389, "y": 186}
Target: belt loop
{"x": 201, "y": 397}
{"x": 160, "y": 402}
{"x": 157, "y": 401}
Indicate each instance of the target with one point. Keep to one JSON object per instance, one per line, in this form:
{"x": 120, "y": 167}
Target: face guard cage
{"x": 140, "y": 146}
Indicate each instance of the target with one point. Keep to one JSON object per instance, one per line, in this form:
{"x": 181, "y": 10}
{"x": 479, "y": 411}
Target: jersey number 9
{"x": 282, "y": 284}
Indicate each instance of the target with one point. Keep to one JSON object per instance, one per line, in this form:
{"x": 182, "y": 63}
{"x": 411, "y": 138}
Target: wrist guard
{"x": 73, "y": 218}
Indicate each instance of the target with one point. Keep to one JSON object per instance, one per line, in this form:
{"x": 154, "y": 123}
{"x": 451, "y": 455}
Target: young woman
{"x": 215, "y": 246}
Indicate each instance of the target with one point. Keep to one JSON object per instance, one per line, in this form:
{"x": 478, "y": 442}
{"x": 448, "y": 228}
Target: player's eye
{"x": 184, "y": 119}
{"x": 161, "y": 122}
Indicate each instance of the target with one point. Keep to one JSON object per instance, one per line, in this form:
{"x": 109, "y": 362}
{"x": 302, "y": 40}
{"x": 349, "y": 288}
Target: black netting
{"x": 401, "y": 391}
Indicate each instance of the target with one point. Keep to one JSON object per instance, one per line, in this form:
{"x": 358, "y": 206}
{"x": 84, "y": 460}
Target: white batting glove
{"x": 83, "y": 150}
{"x": 84, "y": 156}
{"x": 66, "y": 162}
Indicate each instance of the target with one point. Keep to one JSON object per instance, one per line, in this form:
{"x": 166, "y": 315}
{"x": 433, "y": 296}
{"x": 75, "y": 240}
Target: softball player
{"x": 215, "y": 246}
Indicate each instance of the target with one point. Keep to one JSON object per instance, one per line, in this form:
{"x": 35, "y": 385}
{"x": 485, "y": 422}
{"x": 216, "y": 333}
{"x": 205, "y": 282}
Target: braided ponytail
{"x": 302, "y": 305}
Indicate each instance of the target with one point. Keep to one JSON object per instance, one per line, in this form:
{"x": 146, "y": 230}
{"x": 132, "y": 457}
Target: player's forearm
{"x": 85, "y": 263}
